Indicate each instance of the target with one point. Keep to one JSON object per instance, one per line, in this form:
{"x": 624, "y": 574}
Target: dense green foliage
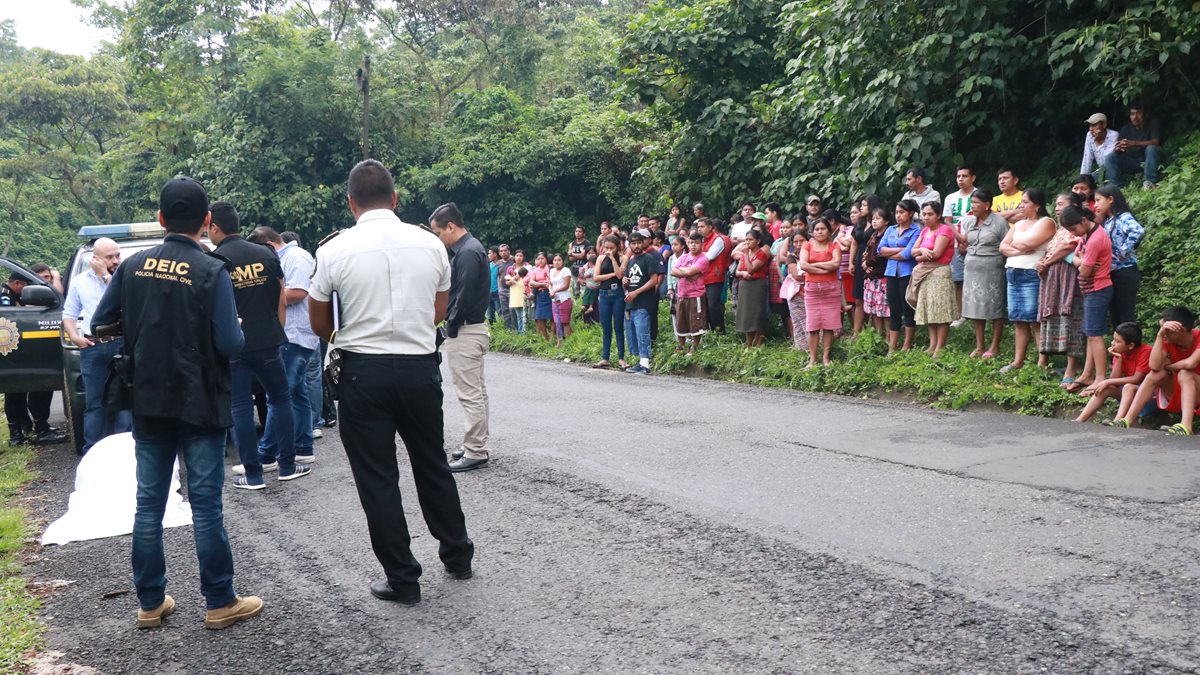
{"x": 1170, "y": 254}
{"x": 20, "y": 632}
{"x": 769, "y": 99}
{"x": 538, "y": 116}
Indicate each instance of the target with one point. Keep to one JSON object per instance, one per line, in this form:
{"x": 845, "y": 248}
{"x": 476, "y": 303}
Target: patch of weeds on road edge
{"x": 860, "y": 368}
{"x": 20, "y": 631}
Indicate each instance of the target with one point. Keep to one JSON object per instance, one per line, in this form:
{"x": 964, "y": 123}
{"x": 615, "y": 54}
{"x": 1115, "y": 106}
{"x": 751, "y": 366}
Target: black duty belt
{"x": 348, "y": 356}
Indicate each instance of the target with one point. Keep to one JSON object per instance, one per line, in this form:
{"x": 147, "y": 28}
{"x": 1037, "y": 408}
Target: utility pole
{"x": 364, "y": 84}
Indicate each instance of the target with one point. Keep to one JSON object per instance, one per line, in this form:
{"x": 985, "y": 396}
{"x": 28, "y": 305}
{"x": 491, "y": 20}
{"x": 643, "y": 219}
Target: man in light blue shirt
{"x": 83, "y": 296}
{"x": 302, "y": 342}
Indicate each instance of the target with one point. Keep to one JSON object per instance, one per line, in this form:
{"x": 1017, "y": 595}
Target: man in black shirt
{"x": 258, "y": 290}
{"x": 642, "y": 274}
{"x": 467, "y": 336}
{"x": 1140, "y": 142}
{"x": 176, "y": 309}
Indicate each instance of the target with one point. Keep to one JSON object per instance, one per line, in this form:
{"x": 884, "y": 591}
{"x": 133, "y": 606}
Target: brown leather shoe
{"x": 238, "y": 610}
{"x": 153, "y": 618}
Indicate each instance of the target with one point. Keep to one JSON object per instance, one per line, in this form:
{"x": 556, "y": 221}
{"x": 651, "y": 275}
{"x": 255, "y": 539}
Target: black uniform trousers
{"x": 1125, "y": 284}
{"x": 18, "y": 406}
{"x": 379, "y": 396}
{"x": 716, "y": 308}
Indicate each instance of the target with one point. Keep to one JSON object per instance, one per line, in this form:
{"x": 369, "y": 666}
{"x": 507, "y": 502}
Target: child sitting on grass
{"x": 1130, "y": 365}
{"x": 1174, "y": 361}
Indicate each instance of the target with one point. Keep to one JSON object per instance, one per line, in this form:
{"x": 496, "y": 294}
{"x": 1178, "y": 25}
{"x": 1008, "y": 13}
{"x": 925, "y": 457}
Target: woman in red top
{"x": 751, "y": 317}
{"x": 819, "y": 258}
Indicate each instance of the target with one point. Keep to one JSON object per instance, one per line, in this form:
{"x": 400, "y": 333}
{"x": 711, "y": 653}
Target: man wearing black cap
{"x": 177, "y": 312}
{"x": 258, "y": 291}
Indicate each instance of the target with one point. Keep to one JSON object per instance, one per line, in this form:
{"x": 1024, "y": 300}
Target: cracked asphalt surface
{"x": 654, "y": 524}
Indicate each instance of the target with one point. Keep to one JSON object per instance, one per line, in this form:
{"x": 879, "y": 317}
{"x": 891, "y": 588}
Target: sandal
{"x": 601, "y": 364}
{"x": 1076, "y": 386}
{"x": 1066, "y": 382}
{"x": 987, "y": 355}
{"x": 1120, "y": 424}
{"x": 1176, "y": 430}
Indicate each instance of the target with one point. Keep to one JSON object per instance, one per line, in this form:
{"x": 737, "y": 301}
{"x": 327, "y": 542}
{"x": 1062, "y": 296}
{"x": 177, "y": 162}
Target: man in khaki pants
{"x": 467, "y": 336}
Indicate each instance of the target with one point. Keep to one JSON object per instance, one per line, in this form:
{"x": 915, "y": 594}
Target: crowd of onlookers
{"x": 1061, "y": 268}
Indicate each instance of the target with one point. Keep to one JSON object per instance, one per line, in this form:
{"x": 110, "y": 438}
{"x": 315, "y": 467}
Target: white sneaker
{"x": 239, "y": 470}
{"x": 318, "y": 434}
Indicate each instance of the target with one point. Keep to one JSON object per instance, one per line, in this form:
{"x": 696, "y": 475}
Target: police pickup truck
{"x": 30, "y": 322}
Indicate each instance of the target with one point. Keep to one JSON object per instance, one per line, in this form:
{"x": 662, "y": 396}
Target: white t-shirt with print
{"x": 556, "y": 279}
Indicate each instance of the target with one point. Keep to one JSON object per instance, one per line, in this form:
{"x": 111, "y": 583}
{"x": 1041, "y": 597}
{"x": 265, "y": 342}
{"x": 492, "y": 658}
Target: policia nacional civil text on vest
{"x": 174, "y": 303}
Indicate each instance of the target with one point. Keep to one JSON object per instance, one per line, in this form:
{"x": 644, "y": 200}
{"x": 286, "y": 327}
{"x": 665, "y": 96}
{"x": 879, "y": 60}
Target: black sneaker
{"x": 18, "y": 438}
{"x": 301, "y": 471}
{"x": 50, "y": 437}
{"x": 245, "y": 484}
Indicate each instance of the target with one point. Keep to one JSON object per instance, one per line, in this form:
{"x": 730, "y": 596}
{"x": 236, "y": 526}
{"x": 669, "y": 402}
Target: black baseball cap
{"x": 182, "y": 198}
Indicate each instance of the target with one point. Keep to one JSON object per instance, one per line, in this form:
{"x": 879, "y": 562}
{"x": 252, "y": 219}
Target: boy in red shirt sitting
{"x": 1130, "y": 365}
{"x": 1174, "y": 361}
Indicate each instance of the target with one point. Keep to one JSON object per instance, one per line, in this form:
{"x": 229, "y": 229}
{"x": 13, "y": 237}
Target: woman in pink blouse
{"x": 936, "y": 305}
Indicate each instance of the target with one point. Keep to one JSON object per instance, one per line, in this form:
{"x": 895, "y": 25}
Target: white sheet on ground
{"x": 105, "y": 496}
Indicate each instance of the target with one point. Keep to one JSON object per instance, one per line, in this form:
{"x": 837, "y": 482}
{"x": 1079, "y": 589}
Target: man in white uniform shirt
{"x": 392, "y": 282}
{"x": 94, "y": 353}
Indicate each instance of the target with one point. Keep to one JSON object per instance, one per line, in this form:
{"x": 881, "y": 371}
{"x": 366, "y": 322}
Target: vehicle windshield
{"x": 128, "y": 248}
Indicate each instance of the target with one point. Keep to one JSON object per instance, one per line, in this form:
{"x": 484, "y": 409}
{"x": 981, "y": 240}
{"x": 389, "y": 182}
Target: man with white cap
{"x": 1097, "y": 144}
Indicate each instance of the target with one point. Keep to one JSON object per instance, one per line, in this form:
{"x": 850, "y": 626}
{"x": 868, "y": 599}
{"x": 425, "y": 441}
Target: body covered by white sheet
{"x": 105, "y": 496}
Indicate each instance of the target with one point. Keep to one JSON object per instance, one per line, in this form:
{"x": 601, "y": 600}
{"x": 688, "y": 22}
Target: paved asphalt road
{"x": 653, "y": 524}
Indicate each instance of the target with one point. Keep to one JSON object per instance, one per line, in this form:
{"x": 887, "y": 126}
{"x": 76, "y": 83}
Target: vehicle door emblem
{"x": 10, "y": 336}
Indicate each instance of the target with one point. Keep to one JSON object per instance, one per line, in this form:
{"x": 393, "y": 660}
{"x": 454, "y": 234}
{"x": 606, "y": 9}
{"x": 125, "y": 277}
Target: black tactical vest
{"x": 166, "y": 316}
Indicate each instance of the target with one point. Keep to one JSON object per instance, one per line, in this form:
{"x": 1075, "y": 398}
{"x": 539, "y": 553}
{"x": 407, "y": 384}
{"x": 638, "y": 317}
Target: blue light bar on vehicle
{"x": 120, "y": 232}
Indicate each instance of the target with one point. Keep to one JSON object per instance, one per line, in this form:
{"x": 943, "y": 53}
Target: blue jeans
{"x": 93, "y": 366}
{"x": 295, "y": 366}
{"x": 637, "y": 331}
{"x": 157, "y": 441}
{"x": 516, "y": 316}
{"x": 1118, "y": 164}
{"x": 493, "y": 308}
{"x": 612, "y": 312}
{"x": 316, "y": 397}
{"x": 267, "y": 366}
